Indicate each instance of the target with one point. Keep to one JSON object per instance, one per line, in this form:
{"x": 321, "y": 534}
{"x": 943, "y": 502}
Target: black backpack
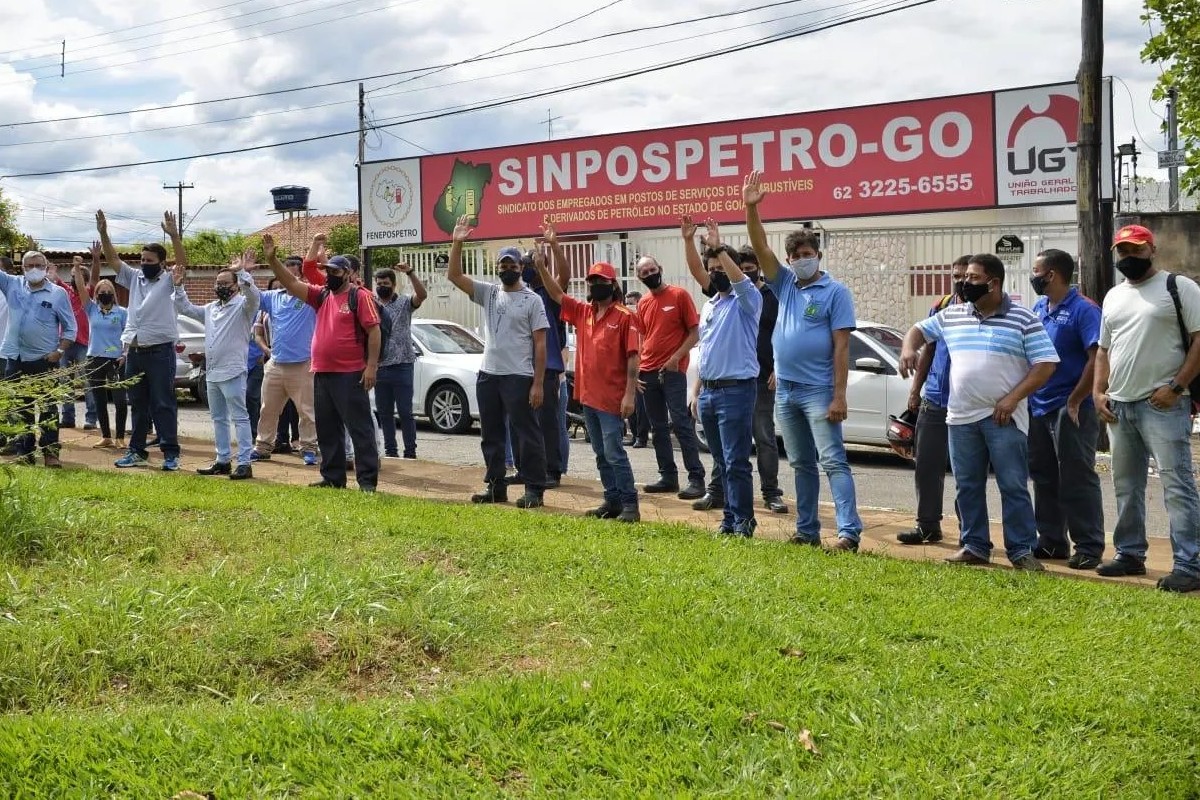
{"x": 385, "y": 322}
{"x": 1194, "y": 386}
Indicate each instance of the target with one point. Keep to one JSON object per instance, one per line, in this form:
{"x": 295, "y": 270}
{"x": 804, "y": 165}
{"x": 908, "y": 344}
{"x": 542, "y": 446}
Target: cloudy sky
{"x": 142, "y": 54}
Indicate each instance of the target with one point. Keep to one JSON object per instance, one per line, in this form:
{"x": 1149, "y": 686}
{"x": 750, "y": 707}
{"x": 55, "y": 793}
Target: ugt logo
{"x": 1063, "y": 110}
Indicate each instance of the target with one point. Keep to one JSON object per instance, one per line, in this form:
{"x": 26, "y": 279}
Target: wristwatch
{"x": 1175, "y": 387}
{"x": 60, "y": 351}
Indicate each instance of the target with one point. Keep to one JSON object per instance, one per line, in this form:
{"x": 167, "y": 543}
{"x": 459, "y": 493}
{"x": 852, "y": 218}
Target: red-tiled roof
{"x": 294, "y": 235}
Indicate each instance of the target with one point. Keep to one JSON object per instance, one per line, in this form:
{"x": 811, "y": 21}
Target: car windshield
{"x": 446, "y": 339}
{"x": 890, "y": 338}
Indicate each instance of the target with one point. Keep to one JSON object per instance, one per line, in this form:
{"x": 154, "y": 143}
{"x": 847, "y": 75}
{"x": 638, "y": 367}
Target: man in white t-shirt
{"x": 1142, "y": 374}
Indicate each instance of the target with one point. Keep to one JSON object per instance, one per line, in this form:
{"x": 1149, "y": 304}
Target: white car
{"x": 191, "y": 341}
{"x": 874, "y": 391}
{"x": 449, "y": 358}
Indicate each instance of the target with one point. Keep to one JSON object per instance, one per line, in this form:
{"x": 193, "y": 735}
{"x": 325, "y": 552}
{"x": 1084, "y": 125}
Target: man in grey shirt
{"x": 394, "y": 385}
{"x": 510, "y": 384}
{"x": 149, "y": 339}
{"x": 227, "y": 324}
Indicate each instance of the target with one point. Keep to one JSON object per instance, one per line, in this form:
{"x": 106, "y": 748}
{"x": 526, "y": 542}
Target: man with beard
{"x": 1141, "y": 388}
{"x": 512, "y": 381}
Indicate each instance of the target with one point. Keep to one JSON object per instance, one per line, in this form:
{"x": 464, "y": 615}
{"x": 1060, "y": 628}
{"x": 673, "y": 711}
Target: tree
{"x": 214, "y": 248}
{"x": 1173, "y": 47}
{"x": 344, "y": 239}
{"x": 12, "y": 239}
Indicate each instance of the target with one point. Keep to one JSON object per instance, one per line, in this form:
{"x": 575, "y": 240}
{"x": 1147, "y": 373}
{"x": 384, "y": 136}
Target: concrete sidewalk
{"x": 434, "y": 481}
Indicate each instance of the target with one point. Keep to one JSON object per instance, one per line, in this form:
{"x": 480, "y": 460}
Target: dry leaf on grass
{"x": 792, "y": 652}
{"x": 806, "y": 739}
{"x": 749, "y": 717}
{"x": 776, "y": 726}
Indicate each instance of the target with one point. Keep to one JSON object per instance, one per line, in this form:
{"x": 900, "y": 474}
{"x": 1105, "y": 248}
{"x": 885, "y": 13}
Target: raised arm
{"x": 712, "y": 240}
{"x": 691, "y": 253}
{"x": 310, "y": 267}
{"x": 182, "y": 304}
{"x": 294, "y": 286}
{"x": 110, "y": 252}
{"x": 562, "y": 265}
{"x": 752, "y": 195}
{"x": 170, "y": 227}
{"x": 249, "y": 288}
{"x": 94, "y": 278}
{"x": 454, "y": 272}
{"x": 81, "y": 286}
{"x": 552, "y": 288}
{"x": 419, "y": 293}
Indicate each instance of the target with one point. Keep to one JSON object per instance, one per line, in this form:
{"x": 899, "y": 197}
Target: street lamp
{"x": 197, "y": 213}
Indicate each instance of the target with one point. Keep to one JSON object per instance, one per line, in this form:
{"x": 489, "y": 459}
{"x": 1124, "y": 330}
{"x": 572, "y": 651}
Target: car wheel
{"x": 200, "y": 390}
{"x": 447, "y": 408}
{"x": 701, "y": 439}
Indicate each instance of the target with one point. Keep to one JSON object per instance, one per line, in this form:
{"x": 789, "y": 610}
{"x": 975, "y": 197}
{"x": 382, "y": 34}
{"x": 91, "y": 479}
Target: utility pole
{"x": 1172, "y": 144}
{"x": 179, "y": 187}
{"x": 364, "y": 255}
{"x": 550, "y": 124}
{"x": 1096, "y": 279}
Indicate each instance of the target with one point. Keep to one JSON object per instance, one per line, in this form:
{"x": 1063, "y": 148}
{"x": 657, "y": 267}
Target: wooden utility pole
{"x": 1094, "y": 277}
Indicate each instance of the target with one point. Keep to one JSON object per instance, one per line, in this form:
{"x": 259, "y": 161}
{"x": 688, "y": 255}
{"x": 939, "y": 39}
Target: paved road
{"x": 883, "y": 480}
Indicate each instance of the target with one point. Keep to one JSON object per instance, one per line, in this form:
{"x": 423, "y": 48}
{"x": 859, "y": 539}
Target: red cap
{"x": 602, "y": 269}
{"x": 1133, "y": 234}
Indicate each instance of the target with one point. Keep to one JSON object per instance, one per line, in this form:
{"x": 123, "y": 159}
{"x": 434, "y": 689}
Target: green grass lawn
{"x": 161, "y": 633}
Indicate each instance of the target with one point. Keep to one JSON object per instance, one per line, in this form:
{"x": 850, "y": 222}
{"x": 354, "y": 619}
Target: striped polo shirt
{"x": 989, "y": 356}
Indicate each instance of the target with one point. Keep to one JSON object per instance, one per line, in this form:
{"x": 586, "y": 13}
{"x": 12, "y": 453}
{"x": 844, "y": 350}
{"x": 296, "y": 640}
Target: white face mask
{"x": 805, "y": 268}
{"x": 36, "y": 275}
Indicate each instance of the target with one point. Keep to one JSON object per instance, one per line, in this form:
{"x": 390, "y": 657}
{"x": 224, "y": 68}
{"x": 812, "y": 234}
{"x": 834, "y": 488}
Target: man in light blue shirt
{"x": 151, "y": 331}
{"x": 41, "y": 326}
{"x": 812, "y": 368}
{"x": 727, "y": 384}
{"x": 227, "y": 323}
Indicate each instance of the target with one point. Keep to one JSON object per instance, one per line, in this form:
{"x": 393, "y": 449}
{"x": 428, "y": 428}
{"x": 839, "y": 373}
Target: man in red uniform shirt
{"x": 670, "y": 327}
{"x": 606, "y": 374}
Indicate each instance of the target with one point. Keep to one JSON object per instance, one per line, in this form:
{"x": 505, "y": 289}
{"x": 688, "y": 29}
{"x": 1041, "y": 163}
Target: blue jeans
{"x": 972, "y": 446}
{"x": 810, "y": 439}
{"x": 254, "y": 381}
{"x": 77, "y": 354}
{"x": 227, "y": 404}
{"x": 727, "y": 414}
{"x": 564, "y": 440}
{"x": 153, "y": 397}
{"x": 394, "y": 398}
{"x": 1142, "y": 431}
{"x": 616, "y": 474}
{"x": 32, "y": 415}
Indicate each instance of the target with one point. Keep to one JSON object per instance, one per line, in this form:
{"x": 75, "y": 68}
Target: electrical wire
{"x": 892, "y": 8}
{"x": 1133, "y": 116}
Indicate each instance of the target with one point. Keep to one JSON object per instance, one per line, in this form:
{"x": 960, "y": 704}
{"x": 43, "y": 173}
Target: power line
{"x": 887, "y": 9}
{"x": 1133, "y": 116}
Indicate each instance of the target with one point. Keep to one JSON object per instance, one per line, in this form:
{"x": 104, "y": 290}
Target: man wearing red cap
{"x": 1142, "y": 373}
{"x": 606, "y": 374}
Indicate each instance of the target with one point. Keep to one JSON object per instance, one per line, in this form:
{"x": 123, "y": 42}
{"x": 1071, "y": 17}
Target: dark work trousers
{"x": 665, "y": 399}
{"x": 153, "y": 398}
{"x": 1066, "y": 488}
{"x": 341, "y": 405}
{"x": 102, "y": 372}
{"x": 639, "y": 423}
{"x": 254, "y": 379}
{"x": 765, "y": 442}
{"x": 288, "y": 429}
{"x": 28, "y": 414}
{"x": 551, "y": 428}
{"x": 931, "y": 452}
{"x": 503, "y": 397}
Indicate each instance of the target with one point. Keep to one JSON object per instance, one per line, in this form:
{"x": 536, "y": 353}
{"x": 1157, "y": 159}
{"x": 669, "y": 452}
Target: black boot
{"x": 215, "y": 468}
{"x": 495, "y": 492}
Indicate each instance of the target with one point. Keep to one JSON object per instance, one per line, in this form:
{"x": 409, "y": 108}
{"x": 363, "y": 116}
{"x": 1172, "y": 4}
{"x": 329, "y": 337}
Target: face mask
{"x": 958, "y": 288}
{"x": 334, "y": 282}
{"x": 528, "y": 274}
{"x": 1038, "y": 282}
{"x": 752, "y": 275}
{"x": 36, "y": 275}
{"x": 106, "y": 299}
{"x": 805, "y": 268}
{"x": 600, "y": 292}
{"x": 223, "y": 292}
{"x": 974, "y": 292}
{"x": 653, "y": 281}
{"x": 151, "y": 271}
{"x": 509, "y": 277}
{"x": 720, "y": 281}
{"x": 384, "y": 292}
{"x": 1134, "y": 268}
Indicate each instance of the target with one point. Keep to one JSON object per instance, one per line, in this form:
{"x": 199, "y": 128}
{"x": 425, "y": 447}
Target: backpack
{"x": 1194, "y": 386}
{"x": 385, "y": 322}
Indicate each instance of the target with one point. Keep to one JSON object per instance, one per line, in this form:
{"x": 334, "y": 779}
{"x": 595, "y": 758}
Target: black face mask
{"x": 974, "y": 292}
{"x": 958, "y": 288}
{"x": 720, "y": 281}
{"x": 653, "y": 281}
{"x": 752, "y": 275}
{"x": 1038, "y": 282}
{"x": 384, "y": 292}
{"x": 509, "y": 277}
{"x": 223, "y": 292}
{"x": 151, "y": 271}
{"x": 600, "y": 292}
{"x": 529, "y": 275}
{"x": 1134, "y": 268}
{"x": 106, "y": 299}
{"x": 334, "y": 282}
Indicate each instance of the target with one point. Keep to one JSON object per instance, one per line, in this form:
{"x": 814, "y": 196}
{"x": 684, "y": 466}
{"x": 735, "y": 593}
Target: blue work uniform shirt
{"x": 808, "y": 316}
{"x": 37, "y": 318}
{"x": 107, "y": 327}
{"x": 1074, "y": 327}
{"x": 937, "y": 383}
{"x": 292, "y": 322}
{"x": 729, "y": 333}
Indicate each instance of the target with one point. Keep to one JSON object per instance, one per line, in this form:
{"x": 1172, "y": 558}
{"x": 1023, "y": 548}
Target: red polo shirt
{"x": 603, "y": 345}
{"x": 83, "y": 330}
{"x": 665, "y": 318}
{"x": 337, "y": 345}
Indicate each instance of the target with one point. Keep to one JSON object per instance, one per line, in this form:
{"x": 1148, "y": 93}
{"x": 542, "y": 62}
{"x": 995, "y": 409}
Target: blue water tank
{"x": 290, "y": 198}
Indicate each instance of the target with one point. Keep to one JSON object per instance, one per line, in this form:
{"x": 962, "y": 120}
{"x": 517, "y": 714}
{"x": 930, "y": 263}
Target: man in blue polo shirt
{"x": 38, "y": 311}
{"x": 727, "y": 383}
{"x": 1064, "y": 427}
{"x": 999, "y": 355}
{"x": 812, "y": 368}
